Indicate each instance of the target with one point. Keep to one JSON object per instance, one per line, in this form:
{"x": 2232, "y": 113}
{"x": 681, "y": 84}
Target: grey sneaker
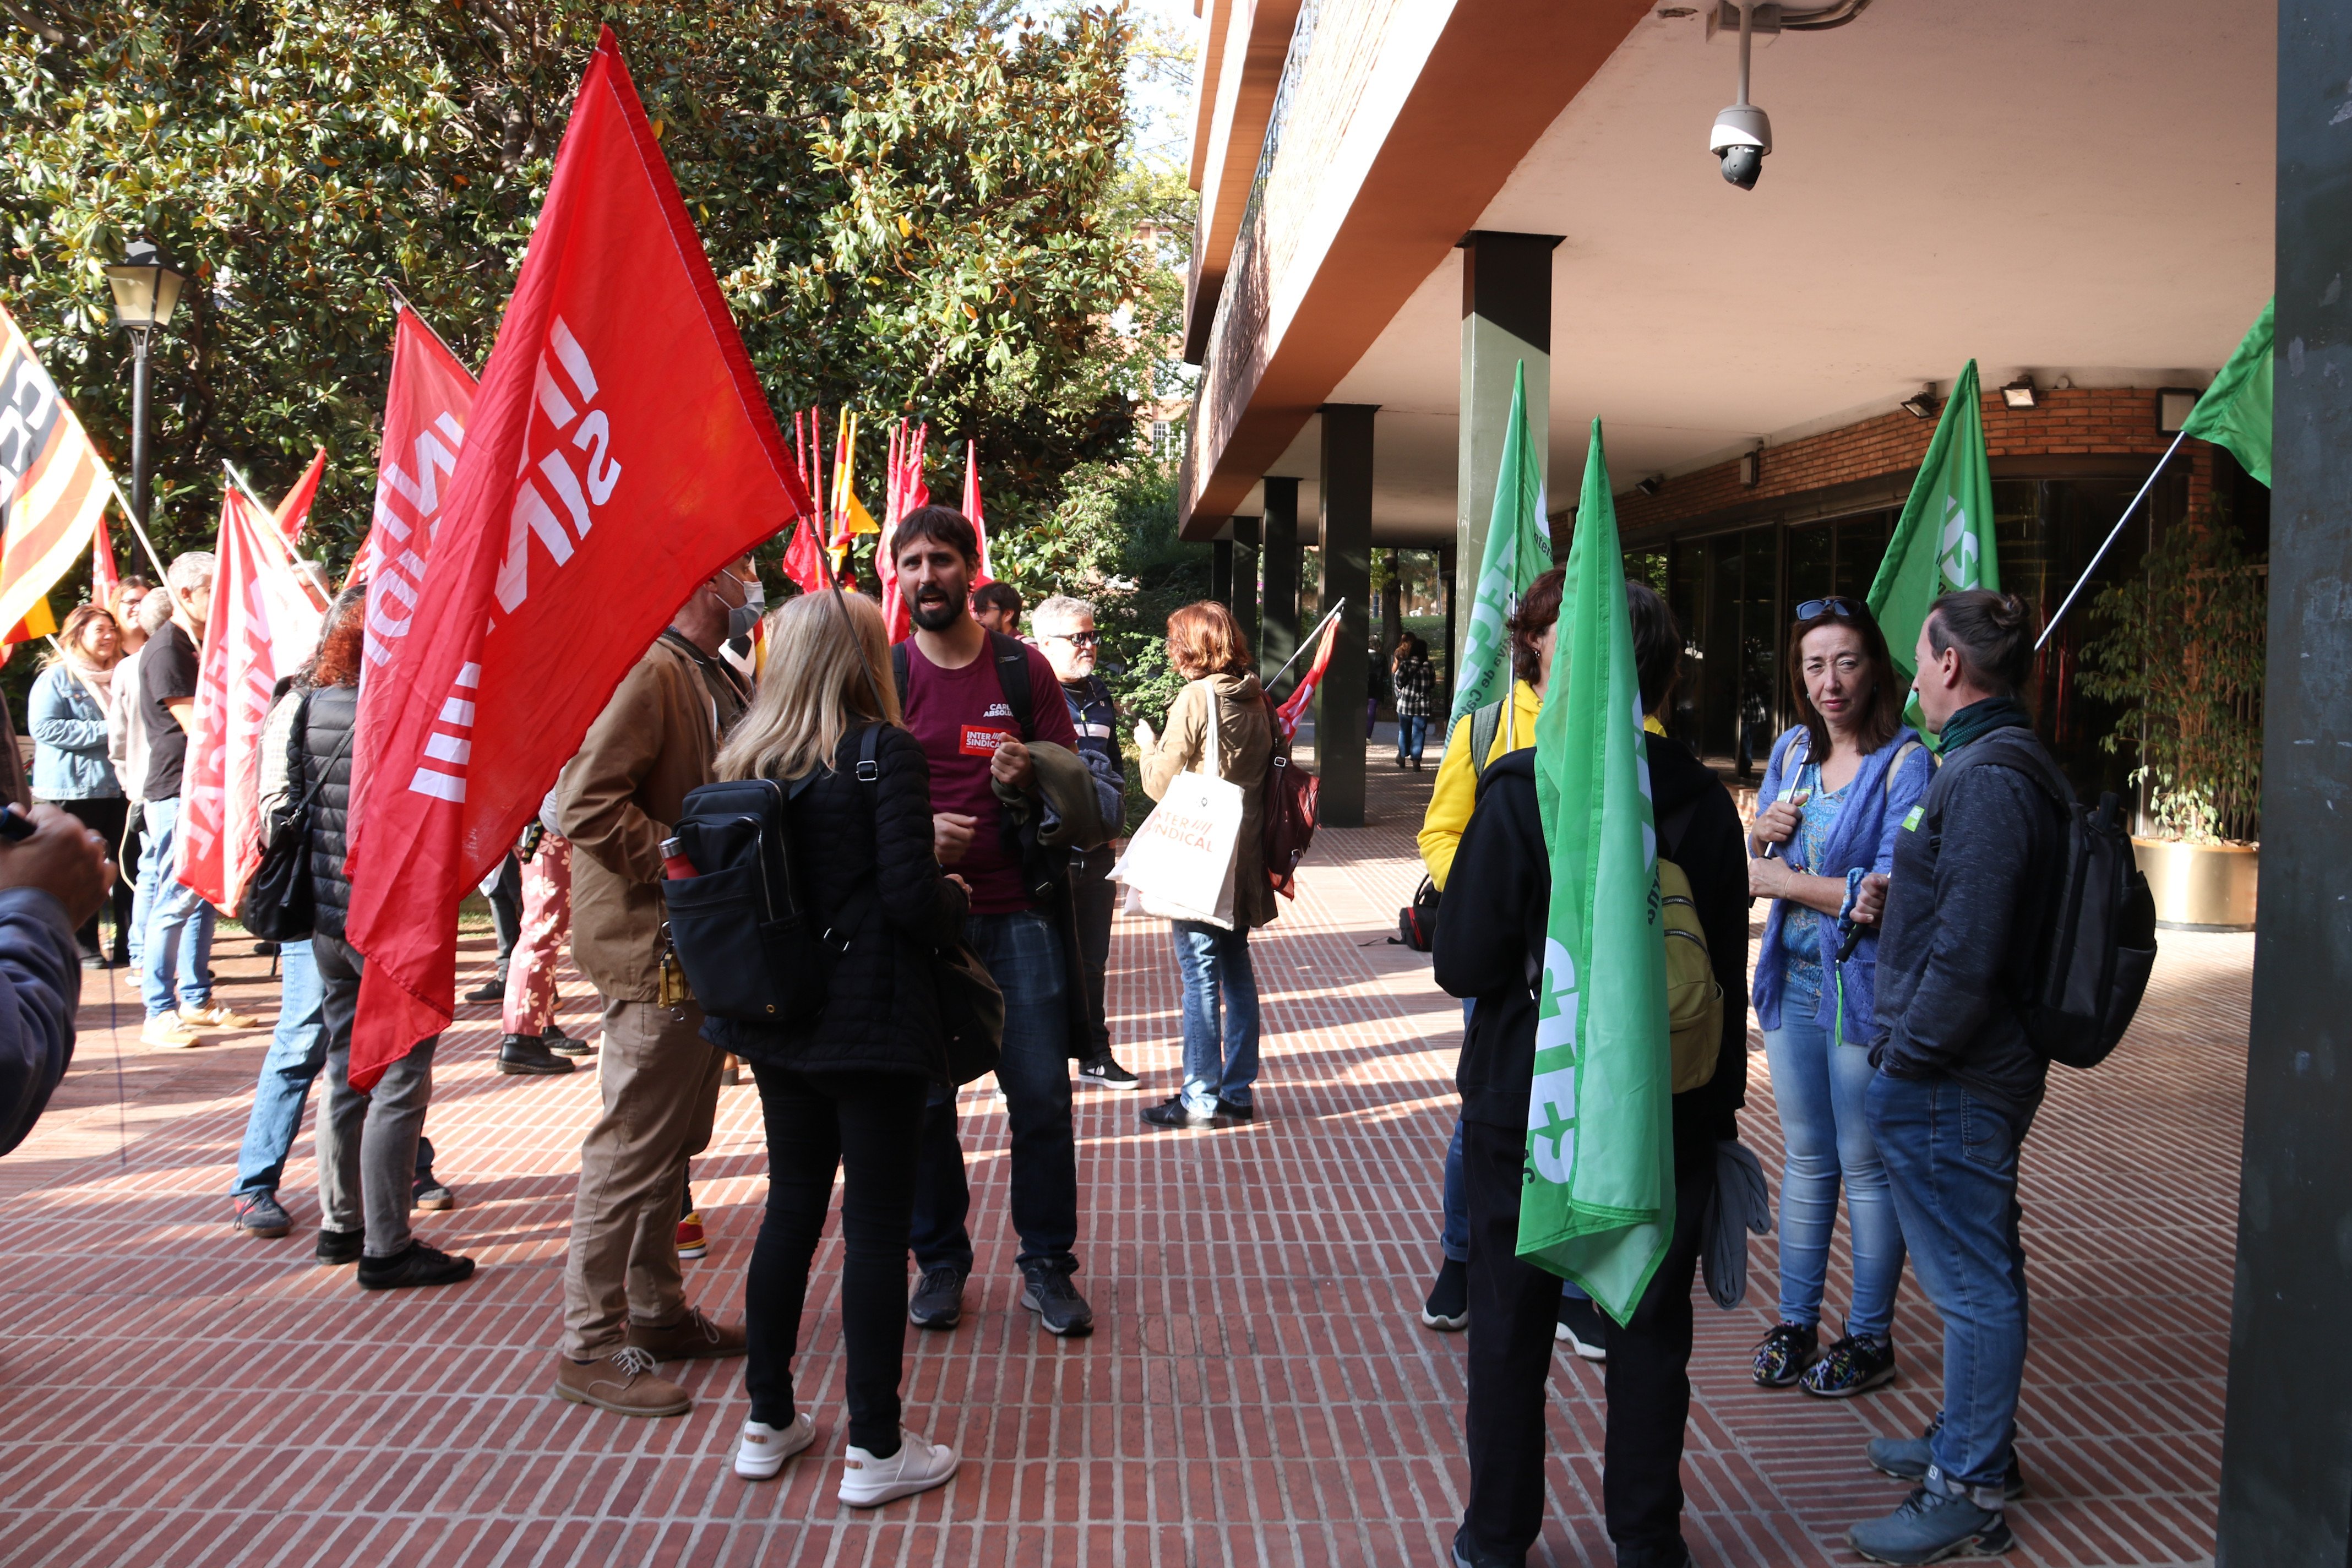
{"x": 1930, "y": 1527}
{"x": 1907, "y": 1459}
{"x": 1047, "y": 1291}
{"x": 260, "y": 1214}
{"x": 938, "y": 1301}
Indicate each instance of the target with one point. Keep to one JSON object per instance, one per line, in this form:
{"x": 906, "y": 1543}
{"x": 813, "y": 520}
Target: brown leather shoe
{"x": 692, "y": 1338}
{"x": 623, "y": 1382}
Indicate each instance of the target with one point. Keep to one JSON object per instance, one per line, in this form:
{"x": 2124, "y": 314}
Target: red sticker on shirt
{"x": 980, "y": 742}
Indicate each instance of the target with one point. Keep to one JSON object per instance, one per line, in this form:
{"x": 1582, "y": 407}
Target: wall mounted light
{"x": 1922, "y": 403}
{"x": 1751, "y": 464}
{"x": 2018, "y": 393}
{"x": 2172, "y": 407}
{"x": 1652, "y": 485}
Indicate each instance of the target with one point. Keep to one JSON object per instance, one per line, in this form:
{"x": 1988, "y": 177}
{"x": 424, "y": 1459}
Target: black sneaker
{"x": 564, "y": 1045}
{"x": 339, "y": 1247}
{"x": 1104, "y": 1073}
{"x": 1785, "y": 1355}
{"x": 1232, "y": 1112}
{"x": 1907, "y": 1459}
{"x": 494, "y": 989}
{"x": 1855, "y": 1365}
{"x": 1047, "y": 1291}
{"x": 1169, "y": 1116}
{"x": 528, "y": 1055}
{"x": 1577, "y": 1323}
{"x": 261, "y": 1215}
{"x": 417, "y": 1265}
{"x": 1448, "y": 1308}
{"x": 938, "y": 1301}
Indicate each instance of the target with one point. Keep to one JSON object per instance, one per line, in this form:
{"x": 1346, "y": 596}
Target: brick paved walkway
{"x": 1260, "y": 1391}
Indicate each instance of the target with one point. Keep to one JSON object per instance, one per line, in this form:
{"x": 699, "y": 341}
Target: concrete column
{"x": 1220, "y": 571}
{"x": 1347, "y": 534}
{"x": 1244, "y": 600}
{"x": 1506, "y": 319}
{"x": 1280, "y": 611}
{"x": 1446, "y": 575}
{"x": 2286, "y": 1450}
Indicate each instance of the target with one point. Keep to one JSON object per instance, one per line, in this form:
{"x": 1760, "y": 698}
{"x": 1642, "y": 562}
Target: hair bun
{"x": 2009, "y": 613}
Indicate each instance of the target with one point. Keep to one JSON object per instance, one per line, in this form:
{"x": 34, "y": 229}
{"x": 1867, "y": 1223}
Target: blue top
{"x": 69, "y": 740}
{"x": 1869, "y": 813}
{"x": 1816, "y": 823}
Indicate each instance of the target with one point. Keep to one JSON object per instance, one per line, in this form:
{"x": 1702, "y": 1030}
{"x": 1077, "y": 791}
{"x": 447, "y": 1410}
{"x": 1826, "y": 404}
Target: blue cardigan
{"x": 69, "y": 740}
{"x": 1875, "y": 805}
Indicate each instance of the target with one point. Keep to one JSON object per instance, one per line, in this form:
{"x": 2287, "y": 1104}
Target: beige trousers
{"x": 660, "y": 1080}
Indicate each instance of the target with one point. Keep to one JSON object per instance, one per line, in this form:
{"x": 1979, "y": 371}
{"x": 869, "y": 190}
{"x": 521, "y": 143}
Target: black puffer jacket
{"x": 867, "y": 850}
{"x": 326, "y": 720}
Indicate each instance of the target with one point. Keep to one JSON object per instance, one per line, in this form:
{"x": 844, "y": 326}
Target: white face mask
{"x": 755, "y": 593}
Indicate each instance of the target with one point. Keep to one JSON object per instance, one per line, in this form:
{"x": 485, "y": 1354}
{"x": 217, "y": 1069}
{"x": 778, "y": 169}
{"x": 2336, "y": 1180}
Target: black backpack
{"x": 2099, "y": 946}
{"x": 746, "y": 930}
{"x": 1045, "y": 869}
{"x": 1417, "y": 923}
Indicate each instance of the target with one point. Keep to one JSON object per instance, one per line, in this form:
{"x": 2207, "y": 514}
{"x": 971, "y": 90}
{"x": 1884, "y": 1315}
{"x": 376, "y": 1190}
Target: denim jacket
{"x": 69, "y": 740}
{"x": 1876, "y": 804}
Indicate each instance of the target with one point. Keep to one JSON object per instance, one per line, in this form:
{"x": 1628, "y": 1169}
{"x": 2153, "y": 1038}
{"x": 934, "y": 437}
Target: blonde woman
{"x": 845, "y": 1088}
{"x": 67, "y": 714}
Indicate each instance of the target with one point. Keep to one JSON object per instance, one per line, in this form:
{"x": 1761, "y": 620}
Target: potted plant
{"x": 2182, "y": 653}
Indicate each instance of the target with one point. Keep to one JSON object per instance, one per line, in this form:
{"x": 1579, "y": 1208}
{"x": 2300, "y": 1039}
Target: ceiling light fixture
{"x": 2018, "y": 393}
{"x": 1922, "y": 403}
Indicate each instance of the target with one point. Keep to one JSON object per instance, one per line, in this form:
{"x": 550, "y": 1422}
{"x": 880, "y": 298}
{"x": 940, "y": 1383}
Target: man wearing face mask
{"x": 624, "y": 1306}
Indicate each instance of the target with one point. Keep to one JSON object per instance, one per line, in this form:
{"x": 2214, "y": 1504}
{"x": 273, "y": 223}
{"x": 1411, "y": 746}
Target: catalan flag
{"x": 53, "y": 485}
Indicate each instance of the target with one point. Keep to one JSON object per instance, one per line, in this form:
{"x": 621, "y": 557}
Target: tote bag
{"x": 1180, "y": 864}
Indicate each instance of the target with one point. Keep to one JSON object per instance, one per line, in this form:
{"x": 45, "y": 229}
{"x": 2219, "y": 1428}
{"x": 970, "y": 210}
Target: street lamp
{"x": 146, "y": 288}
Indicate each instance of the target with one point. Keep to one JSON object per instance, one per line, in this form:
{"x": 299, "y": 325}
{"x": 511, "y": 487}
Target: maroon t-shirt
{"x": 961, "y": 716}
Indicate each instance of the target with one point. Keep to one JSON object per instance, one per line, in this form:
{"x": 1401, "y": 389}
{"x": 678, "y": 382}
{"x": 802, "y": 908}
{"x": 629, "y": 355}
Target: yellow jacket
{"x": 1457, "y": 790}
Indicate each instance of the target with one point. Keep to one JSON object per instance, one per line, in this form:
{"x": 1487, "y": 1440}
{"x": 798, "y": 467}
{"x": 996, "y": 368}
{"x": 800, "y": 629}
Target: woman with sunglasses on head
{"x": 1835, "y": 793}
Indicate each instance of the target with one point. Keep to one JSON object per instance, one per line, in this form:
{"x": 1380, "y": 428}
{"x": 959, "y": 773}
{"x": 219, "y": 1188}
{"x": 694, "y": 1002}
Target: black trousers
{"x": 506, "y": 910}
{"x": 105, "y": 818}
{"x": 1513, "y": 1307}
{"x": 866, "y": 1124}
{"x": 1095, "y": 897}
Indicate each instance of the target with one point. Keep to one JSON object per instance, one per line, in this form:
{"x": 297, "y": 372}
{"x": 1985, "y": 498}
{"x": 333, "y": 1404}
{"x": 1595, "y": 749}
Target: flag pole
{"x": 245, "y": 485}
{"x": 400, "y": 300}
{"x": 1306, "y": 642}
{"x": 2083, "y": 581}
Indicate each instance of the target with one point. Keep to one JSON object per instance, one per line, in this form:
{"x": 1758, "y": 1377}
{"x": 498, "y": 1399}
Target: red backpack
{"x": 1290, "y": 814}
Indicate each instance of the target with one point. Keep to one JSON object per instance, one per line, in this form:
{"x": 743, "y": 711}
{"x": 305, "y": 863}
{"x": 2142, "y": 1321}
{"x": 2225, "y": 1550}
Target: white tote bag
{"x": 1180, "y": 864}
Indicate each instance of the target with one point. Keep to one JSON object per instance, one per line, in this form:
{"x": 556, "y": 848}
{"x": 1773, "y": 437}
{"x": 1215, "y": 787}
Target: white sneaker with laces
{"x": 164, "y": 1032}
{"x": 763, "y": 1448}
{"x": 917, "y": 1466}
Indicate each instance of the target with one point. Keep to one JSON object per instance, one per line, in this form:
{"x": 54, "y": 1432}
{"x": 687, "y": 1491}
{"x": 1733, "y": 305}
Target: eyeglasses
{"x": 1076, "y": 639}
{"x": 1836, "y": 604}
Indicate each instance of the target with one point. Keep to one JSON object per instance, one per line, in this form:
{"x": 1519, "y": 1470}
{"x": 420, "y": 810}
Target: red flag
{"x": 971, "y": 505}
{"x": 424, "y": 411}
{"x": 295, "y": 509}
{"x": 619, "y": 453}
{"x": 1293, "y": 707}
{"x": 264, "y": 624}
{"x": 103, "y": 578}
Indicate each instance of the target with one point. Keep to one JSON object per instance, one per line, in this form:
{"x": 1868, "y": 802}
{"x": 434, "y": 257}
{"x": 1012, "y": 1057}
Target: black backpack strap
{"x": 898, "y": 672}
{"x": 868, "y": 770}
{"x": 1012, "y": 656}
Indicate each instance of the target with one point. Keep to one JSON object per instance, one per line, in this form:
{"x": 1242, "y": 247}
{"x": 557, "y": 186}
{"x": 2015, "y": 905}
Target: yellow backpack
{"x": 1694, "y": 996}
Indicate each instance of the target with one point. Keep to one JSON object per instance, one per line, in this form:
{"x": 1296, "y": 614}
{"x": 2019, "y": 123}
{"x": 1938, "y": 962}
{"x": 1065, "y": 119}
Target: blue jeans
{"x": 1951, "y": 1163}
{"x": 1024, "y": 953}
{"x": 1412, "y": 734}
{"x": 1819, "y": 1088}
{"x": 1219, "y": 1041}
{"x": 177, "y": 926}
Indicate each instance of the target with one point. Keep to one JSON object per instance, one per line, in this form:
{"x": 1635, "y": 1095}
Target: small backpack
{"x": 1292, "y": 811}
{"x": 2098, "y": 948}
{"x": 1693, "y": 995}
{"x": 1417, "y": 923}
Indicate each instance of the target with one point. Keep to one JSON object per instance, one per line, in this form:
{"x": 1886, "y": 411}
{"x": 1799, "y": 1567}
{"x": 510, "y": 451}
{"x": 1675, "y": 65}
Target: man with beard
{"x": 977, "y": 700}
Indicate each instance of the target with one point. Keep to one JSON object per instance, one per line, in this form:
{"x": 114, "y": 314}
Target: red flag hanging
{"x": 424, "y": 411}
{"x": 972, "y": 506}
{"x": 264, "y": 624}
{"x": 1293, "y": 707}
{"x": 620, "y": 452}
{"x": 103, "y": 578}
{"x": 295, "y": 509}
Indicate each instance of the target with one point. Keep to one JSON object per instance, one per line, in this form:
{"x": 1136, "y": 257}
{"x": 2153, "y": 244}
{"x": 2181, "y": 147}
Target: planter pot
{"x": 2200, "y": 887}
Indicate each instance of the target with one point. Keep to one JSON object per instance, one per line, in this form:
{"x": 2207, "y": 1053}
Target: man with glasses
{"x": 1066, "y": 635}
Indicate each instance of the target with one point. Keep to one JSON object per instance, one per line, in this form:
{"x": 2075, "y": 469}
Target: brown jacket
{"x": 616, "y": 801}
{"x": 1245, "y": 750}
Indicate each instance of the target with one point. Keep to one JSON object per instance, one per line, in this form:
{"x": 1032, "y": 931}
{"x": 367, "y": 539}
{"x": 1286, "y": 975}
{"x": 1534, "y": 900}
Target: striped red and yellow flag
{"x": 53, "y": 485}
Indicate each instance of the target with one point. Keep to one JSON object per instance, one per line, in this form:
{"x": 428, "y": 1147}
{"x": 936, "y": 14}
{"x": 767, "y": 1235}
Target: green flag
{"x": 2235, "y": 411}
{"x": 1518, "y": 551}
{"x": 1945, "y": 538}
{"x": 1598, "y": 1203}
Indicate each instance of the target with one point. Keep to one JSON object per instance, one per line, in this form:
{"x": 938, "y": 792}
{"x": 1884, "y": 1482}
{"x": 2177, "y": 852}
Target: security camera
{"x": 1742, "y": 135}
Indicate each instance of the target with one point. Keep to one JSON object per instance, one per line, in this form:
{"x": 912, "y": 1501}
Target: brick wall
{"x": 2078, "y": 422}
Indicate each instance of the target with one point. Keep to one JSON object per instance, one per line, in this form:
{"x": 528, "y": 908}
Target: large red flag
{"x": 264, "y": 624}
{"x": 620, "y": 452}
{"x": 425, "y": 408}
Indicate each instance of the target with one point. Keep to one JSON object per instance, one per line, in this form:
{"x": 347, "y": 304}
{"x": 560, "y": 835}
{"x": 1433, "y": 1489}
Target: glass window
{"x": 1812, "y": 561}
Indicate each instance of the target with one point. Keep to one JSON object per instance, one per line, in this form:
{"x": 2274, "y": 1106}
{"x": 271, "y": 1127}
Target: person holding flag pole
{"x": 1580, "y": 1160}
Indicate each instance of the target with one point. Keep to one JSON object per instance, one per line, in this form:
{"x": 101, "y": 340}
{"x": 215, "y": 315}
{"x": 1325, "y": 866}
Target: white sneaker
{"x": 164, "y": 1032}
{"x": 917, "y": 1466}
{"x": 763, "y": 1448}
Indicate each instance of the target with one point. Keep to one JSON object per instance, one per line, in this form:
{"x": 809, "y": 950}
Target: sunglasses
{"x": 1836, "y": 604}
{"x": 1076, "y": 640}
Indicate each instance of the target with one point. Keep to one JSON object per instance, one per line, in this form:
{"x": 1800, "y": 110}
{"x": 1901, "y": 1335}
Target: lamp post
{"x": 146, "y": 288}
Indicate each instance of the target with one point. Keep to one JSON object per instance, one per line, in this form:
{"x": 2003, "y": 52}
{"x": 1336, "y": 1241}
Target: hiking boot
{"x": 1855, "y": 1365}
{"x": 430, "y": 1195}
{"x": 1047, "y": 1291}
{"x": 494, "y": 989}
{"x": 166, "y": 1032}
{"x": 340, "y": 1246}
{"x": 415, "y": 1265}
{"x": 623, "y": 1382}
{"x": 564, "y": 1045}
{"x": 763, "y": 1449}
{"x": 260, "y": 1214}
{"x": 938, "y": 1301}
{"x": 917, "y": 1466}
{"x": 1930, "y": 1527}
{"x": 693, "y": 1241}
{"x": 1448, "y": 1308}
{"x": 1785, "y": 1355}
{"x": 1578, "y": 1325}
{"x": 1908, "y": 1458}
{"x": 1171, "y": 1116}
{"x": 1105, "y": 1073}
{"x": 692, "y": 1338}
{"x": 217, "y": 1015}
{"x": 527, "y": 1055}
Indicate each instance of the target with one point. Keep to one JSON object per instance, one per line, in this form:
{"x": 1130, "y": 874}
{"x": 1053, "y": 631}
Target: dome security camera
{"x": 1741, "y": 137}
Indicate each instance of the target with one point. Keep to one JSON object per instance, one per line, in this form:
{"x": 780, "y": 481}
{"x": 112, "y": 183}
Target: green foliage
{"x": 914, "y": 206}
{"x": 2182, "y": 652}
